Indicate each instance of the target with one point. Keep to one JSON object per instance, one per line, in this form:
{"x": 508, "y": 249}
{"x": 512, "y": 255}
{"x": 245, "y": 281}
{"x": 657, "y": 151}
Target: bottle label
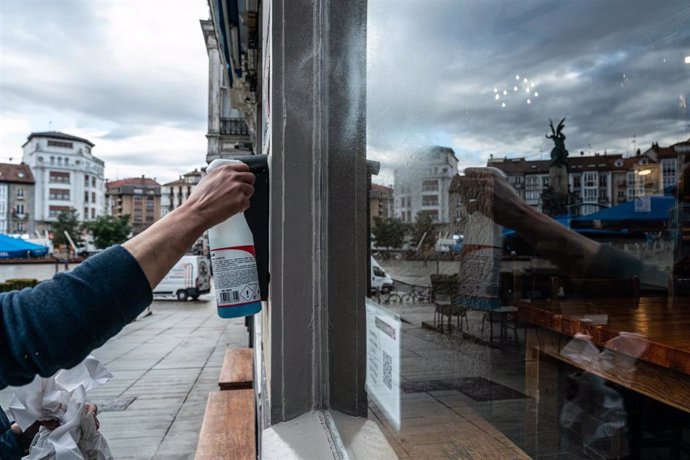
{"x": 235, "y": 275}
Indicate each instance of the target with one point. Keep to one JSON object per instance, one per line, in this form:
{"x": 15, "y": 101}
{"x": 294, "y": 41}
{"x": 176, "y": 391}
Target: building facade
{"x": 380, "y": 202}
{"x": 229, "y": 134}
{"x": 137, "y": 197}
{"x": 174, "y": 193}
{"x": 422, "y": 185}
{"x": 178, "y": 191}
{"x": 600, "y": 180}
{"x": 67, "y": 175}
{"x": 16, "y": 199}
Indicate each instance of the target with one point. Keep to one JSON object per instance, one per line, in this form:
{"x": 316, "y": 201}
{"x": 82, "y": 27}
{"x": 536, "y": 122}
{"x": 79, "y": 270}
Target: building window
{"x": 59, "y": 194}
{"x": 19, "y": 208}
{"x": 590, "y": 179}
{"x": 93, "y": 213}
{"x": 430, "y": 185}
{"x": 58, "y": 177}
{"x": 60, "y": 144}
{"x": 432, "y": 214}
{"x": 20, "y": 192}
{"x": 429, "y": 200}
{"x": 93, "y": 182}
{"x": 86, "y": 180}
{"x": 93, "y": 197}
{"x": 86, "y": 197}
{"x": 53, "y": 211}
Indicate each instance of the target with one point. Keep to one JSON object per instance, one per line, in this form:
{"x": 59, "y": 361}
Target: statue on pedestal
{"x": 559, "y": 152}
{"x": 556, "y": 197}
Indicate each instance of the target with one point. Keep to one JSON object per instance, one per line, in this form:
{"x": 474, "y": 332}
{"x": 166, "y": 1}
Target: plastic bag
{"x": 63, "y": 397}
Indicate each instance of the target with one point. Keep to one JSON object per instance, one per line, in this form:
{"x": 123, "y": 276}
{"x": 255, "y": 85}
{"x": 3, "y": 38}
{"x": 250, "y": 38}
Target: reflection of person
{"x": 56, "y": 324}
{"x": 577, "y": 255}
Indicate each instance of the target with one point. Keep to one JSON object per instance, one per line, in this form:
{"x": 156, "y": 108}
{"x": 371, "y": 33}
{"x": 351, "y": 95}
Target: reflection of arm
{"x": 577, "y": 255}
{"x": 581, "y": 257}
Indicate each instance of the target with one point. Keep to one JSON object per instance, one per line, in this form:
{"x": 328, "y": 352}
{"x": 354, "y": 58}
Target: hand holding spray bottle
{"x": 233, "y": 258}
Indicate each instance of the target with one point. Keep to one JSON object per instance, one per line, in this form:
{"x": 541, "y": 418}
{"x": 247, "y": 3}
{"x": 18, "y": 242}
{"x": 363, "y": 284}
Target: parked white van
{"x": 190, "y": 277}
{"x": 380, "y": 281}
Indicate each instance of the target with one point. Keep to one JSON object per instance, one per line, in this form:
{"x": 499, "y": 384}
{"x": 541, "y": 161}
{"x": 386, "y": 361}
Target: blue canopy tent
{"x": 11, "y": 248}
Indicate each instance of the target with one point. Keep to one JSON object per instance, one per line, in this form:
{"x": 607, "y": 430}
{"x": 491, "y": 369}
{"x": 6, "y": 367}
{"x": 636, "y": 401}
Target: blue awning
{"x": 11, "y": 248}
{"x": 653, "y": 208}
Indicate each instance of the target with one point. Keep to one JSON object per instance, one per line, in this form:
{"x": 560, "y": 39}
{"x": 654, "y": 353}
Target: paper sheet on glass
{"x": 383, "y": 360}
{"x": 63, "y": 397}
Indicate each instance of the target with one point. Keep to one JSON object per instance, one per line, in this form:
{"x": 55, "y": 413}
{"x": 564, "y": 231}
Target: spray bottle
{"x": 233, "y": 259}
{"x": 480, "y": 258}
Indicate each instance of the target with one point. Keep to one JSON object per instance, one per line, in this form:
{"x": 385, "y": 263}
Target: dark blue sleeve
{"x": 59, "y": 322}
{"x": 10, "y": 449}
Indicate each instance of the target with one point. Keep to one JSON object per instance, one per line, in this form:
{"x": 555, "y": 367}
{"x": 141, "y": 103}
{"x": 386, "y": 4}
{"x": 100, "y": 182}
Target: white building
{"x": 422, "y": 185}
{"x": 174, "y": 193}
{"x": 67, "y": 176}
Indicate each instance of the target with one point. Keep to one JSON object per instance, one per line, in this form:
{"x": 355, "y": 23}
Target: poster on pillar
{"x": 383, "y": 360}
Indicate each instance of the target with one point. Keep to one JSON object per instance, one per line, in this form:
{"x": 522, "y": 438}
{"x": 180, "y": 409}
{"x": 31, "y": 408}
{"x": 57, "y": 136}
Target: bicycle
{"x": 417, "y": 294}
{"x": 387, "y": 298}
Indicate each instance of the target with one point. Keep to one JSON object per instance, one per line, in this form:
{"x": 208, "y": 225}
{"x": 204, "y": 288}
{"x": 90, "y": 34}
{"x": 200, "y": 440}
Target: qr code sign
{"x": 387, "y": 370}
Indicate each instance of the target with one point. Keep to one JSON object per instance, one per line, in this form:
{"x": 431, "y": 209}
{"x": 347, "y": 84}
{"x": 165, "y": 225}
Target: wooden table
{"x": 662, "y": 371}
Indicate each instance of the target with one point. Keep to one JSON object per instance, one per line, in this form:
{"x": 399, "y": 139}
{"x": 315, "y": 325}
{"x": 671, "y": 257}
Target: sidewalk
{"x": 164, "y": 366}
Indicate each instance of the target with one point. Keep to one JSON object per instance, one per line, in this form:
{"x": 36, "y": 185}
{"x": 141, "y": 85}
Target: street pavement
{"x": 164, "y": 366}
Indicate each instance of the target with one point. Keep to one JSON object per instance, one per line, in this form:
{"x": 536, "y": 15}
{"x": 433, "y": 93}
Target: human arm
{"x": 225, "y": 191}
{"x": 56, "y": 324}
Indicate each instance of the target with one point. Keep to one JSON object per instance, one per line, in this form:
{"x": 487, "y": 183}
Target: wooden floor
{"x": 431, "y": 430}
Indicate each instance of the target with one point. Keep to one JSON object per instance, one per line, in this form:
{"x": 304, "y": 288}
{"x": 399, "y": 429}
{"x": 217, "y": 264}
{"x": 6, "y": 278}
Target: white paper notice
{"x": 383, "y": 360}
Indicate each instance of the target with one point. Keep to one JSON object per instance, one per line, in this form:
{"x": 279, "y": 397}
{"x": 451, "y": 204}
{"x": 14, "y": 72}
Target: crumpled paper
{"x": 63, "y": 397}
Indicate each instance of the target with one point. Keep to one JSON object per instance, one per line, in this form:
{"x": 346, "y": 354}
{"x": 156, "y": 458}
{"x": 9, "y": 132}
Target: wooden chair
{"x": 592, "y": 288}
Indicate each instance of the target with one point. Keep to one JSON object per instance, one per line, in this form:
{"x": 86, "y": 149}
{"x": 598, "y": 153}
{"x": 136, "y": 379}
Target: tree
{"x": 66, "y": 221}
{"x": 424, "y": 227}
{"x": 109, "y": 230}
{"x": 388, "y": 232}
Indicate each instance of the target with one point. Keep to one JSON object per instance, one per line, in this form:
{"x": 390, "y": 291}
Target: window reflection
{"x": 539, "y": 156}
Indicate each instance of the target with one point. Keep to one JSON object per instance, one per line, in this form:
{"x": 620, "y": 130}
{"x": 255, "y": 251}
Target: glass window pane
{"x": 538, "y": 157}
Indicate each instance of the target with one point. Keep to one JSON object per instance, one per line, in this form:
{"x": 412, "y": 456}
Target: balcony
{"x": 234, "y": 127}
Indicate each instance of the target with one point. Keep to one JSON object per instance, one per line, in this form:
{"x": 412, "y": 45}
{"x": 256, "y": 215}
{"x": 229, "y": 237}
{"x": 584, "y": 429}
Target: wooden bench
{"x": 238, "y": 369}
{"x": 229, "y": 427}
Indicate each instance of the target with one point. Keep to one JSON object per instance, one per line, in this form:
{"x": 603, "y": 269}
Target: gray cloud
{"x": 613, "y": 68}
{"x": 72, "y": 67}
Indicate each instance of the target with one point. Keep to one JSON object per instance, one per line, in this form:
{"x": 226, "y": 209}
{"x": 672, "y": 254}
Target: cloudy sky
{"x": 129, "y": 75}
{"x": 615, "y": 68}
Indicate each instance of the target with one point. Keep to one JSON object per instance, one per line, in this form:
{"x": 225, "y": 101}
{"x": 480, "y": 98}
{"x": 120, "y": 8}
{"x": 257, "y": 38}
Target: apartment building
{"x": 421, "y": 186}
{"x": 137, "y": 197}
{"x": 16, "y": 199}
{"x": 380, "y": 202}
{"x": 67, "y": 175}
{"x": 599, "y": 180}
